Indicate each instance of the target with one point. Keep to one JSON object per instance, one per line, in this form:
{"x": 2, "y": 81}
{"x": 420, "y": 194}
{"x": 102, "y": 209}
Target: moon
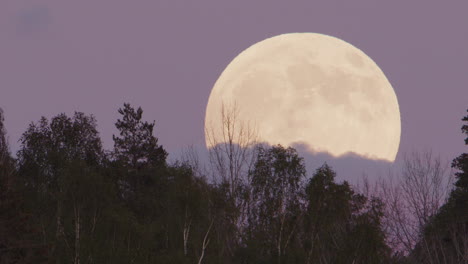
{"x": 311, "y": 89}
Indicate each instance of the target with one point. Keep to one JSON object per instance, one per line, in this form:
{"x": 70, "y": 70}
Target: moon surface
{"x": 311, "y": 89}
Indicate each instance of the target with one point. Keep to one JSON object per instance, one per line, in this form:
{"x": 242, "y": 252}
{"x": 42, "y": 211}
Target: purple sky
{"x": 93, "y": 55}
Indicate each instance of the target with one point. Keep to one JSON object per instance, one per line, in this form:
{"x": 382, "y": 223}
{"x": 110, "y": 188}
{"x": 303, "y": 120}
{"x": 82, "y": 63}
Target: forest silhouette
{"x": 65, "y": 199}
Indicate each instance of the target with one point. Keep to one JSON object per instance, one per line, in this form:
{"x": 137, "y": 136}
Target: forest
{"x": 66, "y": 199}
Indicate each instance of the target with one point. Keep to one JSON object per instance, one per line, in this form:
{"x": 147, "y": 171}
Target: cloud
{"x": 33, "y": 19}
{"x": 350, "y": 167}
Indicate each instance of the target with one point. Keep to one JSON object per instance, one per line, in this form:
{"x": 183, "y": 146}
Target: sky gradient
{"x": 94, "y": 55}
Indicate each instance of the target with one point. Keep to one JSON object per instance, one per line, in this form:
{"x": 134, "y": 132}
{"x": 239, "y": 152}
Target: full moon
{"x": 310, "y": 89}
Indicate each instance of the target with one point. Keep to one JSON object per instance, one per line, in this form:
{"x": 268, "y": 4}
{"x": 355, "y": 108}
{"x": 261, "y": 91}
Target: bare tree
{"x": 231, "y": 147}
{"x": 232, "y": 152}
{"x": 191, "y": 157}
{"x": 232, "y": 144}
{"x": 413, "y": 198}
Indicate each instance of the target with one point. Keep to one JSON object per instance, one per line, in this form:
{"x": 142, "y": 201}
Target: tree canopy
{"x": 64, "y": 199}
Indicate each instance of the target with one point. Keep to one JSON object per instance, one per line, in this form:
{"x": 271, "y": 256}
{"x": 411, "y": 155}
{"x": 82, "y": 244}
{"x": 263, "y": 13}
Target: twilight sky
{"x": 93, "y": 55}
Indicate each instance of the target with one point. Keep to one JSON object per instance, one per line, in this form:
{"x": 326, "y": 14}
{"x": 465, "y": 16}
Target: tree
{"x": 137, "y": 147}
{"x": 17, "y": 231}
{"x": 4, "y": 152}
{"x": 328, "y": 209}
{"x": 231, "y": 147}
{"x": 140, "y": 163}
{"x": 421, "y": 188}
{"x": 341, "y": 226}
{"x": 187, "y": 203}
{"x": 459, "y": 198}
{"x": 276, "y": 210}
{"x": 461, "y": 162}
{"x": 55, "y": 159}
{"x": 444, "y": 238}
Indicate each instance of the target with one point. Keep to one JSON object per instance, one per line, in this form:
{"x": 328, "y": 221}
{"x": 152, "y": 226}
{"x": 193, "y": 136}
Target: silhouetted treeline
{"x": 64, "y": 199}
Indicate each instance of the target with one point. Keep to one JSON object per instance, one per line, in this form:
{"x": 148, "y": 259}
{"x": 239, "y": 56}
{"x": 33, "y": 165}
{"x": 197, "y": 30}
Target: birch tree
{"x": 48, "y": 150}
{"x": 232, "y": 147}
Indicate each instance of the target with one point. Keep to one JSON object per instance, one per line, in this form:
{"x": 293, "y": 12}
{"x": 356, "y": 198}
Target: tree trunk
{"x": 77, "y": 236}
{"x": 206, "y": 241}
{"x": 58, "y": 227}
{"x": 280, "y": 238}
{"x": 186, "y": 233}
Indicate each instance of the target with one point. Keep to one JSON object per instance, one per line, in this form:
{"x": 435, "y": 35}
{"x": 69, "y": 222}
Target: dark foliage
{"x": 137, "y": 147}
{"x": 18, "y": 232}
{"x": 445, "y": 238}
{"x": 64, "y": 200}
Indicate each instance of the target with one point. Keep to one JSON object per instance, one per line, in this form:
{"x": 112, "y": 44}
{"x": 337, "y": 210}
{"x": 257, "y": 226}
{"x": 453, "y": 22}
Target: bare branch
{"x": 413, "y": 198}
